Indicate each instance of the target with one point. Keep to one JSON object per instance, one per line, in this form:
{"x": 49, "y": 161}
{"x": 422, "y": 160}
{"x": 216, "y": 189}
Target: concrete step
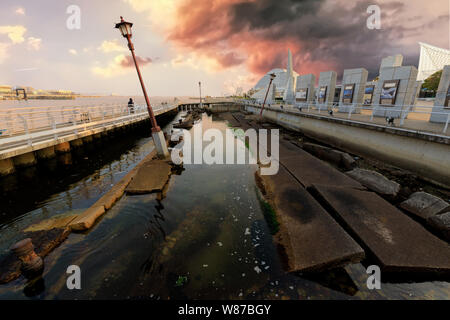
{"x": 313, "y": 240}
{"x": 399, "y": 243}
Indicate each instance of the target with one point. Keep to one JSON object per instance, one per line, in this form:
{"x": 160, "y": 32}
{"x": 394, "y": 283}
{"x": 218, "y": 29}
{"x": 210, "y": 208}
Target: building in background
{"x": 283, "y": 84}
{"x": 431, "y": 59}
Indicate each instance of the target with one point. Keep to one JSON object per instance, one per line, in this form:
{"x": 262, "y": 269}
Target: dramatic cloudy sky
{"x": 226, "y": 44}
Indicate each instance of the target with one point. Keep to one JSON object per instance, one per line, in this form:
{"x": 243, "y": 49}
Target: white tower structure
{"x": 431, "y": 59}
{"x": 290, "y": 81}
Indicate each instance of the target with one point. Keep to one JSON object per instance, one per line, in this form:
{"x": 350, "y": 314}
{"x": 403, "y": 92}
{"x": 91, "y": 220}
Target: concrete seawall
{"x": 15, "y": 158}
{"x": 427, "y": 155}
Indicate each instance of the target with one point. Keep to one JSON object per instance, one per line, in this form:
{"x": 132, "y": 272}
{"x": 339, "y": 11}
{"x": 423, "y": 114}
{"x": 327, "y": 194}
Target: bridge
{"x": 31, "y": 133}
{"x": 37, "y": 132}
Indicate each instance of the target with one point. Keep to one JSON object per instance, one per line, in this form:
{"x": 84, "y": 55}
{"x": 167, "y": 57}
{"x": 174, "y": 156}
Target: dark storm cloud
{"x": 339, "y": 34}
{"x": 322, "y": 34}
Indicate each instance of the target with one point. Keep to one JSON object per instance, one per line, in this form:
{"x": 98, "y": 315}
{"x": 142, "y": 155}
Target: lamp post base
{"x": 160, "y": 143}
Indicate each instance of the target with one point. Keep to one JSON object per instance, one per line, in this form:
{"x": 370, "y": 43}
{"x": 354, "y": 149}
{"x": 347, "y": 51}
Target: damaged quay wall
{"x": 427, "y": 155}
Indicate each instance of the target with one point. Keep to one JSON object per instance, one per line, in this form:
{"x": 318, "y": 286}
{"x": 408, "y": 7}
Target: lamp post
{"x": 272, "y": 76}
{"x": 157, "y": 134}
{"x": 200, "y": 88}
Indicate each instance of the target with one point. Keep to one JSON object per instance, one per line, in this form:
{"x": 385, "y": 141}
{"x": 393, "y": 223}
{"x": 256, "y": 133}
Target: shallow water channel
{"x": 205, "y": 237}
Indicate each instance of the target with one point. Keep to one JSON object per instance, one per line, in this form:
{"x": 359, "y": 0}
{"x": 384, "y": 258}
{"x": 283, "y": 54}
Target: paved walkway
{"x": 416, "y": 120}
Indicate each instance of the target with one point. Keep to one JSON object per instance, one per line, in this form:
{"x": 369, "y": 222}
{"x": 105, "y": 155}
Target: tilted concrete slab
{"x": 398, "y": 242}
{"x": 151, "y": 177}
{"x": 309, "y": 170}
{"x": 314, "y": 241}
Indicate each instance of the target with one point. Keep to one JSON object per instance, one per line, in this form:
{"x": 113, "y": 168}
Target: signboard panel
{"x": 389, "y": 92}
{"x": 368, "y": 94}
{"x": 322, "y": 94}
{"x": 301, "y": 95}
{"x": 348, "y": 93}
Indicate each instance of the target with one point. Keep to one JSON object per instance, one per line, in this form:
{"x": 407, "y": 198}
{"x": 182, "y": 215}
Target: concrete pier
{"x": 62, "y": 147}
{"x": 6, "y": 167}
{"x": 25, "y": 160}
{"x": 77, "y": 143}
{"x": 46, "y": 153}
{"x": 87, "y": 139}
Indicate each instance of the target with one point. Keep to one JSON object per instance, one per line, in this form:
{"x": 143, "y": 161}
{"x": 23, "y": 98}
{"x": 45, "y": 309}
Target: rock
{"x": 441, "y": 223}
{"x": 347, "y": 161}
{"x": 337, "y": 157}
{"x": 375, "y": 182}
{"x": 424, "y": 205}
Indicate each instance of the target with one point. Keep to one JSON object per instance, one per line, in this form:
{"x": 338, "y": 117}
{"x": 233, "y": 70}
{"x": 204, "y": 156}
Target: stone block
{"x": 424, "y": 205}
{"x": 375, "y": 182}
{"x": 441, "y": 223}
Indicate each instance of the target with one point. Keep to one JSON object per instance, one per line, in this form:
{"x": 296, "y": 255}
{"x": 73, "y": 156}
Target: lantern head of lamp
{"x": 124, "y": 27}
{"x": 272, "y": 76}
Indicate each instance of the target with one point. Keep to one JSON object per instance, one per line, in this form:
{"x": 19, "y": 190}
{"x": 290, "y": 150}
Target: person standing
{"x": 131, "y": 105}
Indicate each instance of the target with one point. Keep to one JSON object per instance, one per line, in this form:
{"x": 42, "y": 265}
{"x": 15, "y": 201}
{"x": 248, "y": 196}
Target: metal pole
{"x": 155, "y": 127}
{"x": 200, "y": 87}
{"x": 262, "y": 108}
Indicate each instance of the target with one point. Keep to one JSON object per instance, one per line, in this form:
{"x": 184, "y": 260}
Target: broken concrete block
{"x": 375, "y": 182}
{"x": 347, "y": 161}
{"x": 151, "y": 177}
{"x": 337, "y": 157}
{"x": 60, "y": 221}
{"x": 399, "y": 243}
{"x": 313, "y": 240}
{"x": 87, "y": 219}
{"x": 424, "y": 205}
{"x": 441, "y": 223}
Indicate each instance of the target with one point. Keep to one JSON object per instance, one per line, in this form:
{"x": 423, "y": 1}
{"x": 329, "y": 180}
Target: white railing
{"x": 27, "y": 126}
{"x": 20, "y": 121}
{"x": 393, "y": 114}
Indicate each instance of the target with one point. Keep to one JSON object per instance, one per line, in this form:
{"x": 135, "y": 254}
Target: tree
{"x": 432, "y": 82}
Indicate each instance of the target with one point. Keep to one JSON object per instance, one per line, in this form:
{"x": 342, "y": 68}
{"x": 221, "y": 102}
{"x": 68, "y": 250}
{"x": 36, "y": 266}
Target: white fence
{"x": 19, "y": 121}
{"x": 392, "y": 113}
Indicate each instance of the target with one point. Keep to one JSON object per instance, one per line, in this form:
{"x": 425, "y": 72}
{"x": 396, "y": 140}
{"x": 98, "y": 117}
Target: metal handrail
{"x": 382, "y": 110}
{"x": 24, "y": 121}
